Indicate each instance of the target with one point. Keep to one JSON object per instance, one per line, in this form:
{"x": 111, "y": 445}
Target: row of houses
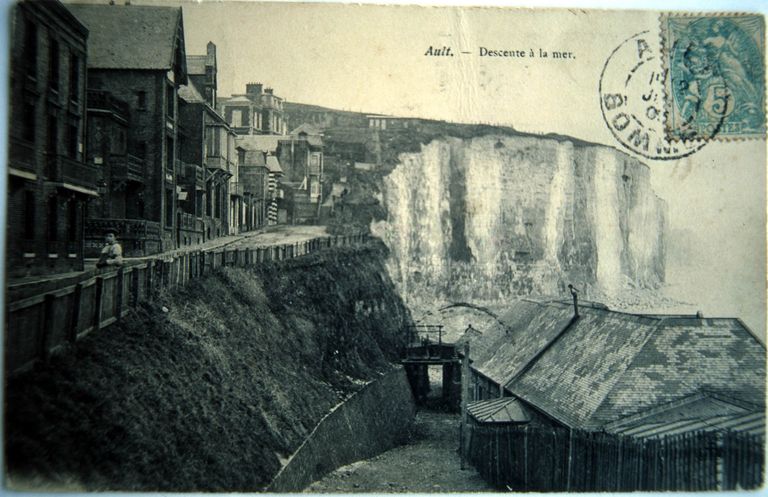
{"x": 114, "y": 126}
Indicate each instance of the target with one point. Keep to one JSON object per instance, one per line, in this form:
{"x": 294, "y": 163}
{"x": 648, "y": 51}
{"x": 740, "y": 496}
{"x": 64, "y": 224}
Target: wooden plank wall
{"x": 39, "y": 325}
{"x": 546, "y": 459}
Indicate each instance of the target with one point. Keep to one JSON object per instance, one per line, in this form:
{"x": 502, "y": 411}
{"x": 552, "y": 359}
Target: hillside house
{"x": 136, "y": 54}
{"x": 258, "y": 111}
{"x": 49, "y": 181}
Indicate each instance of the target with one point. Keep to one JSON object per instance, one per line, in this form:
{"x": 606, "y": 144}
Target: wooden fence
{"x": 43, "y": 317}
{"x": 541, "y": 459}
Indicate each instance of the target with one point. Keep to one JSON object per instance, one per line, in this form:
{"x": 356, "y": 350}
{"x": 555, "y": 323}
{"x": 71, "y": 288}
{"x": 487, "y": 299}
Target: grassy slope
{"x": 209, "y": 395}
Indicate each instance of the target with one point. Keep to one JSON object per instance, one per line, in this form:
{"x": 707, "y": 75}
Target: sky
{"x": 372, "y": 58}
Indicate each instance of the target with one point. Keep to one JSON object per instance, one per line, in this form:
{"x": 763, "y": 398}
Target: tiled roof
{"x": 130, "y": 36}
{"x": 190, "y": 93}
{"x": 273, "y": 164}
{"x": 525, "y": 329}
{"x": 309, "y": 129}
{"x": 608, "y": 365}
{"x": 502, "y": 410}
{"x": 265, "y": 143}
{"x": 684, "y": 356}
{"x": 196, "y": 64}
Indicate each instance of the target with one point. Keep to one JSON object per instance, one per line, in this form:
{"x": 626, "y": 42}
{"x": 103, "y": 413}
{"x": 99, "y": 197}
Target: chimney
{"x": 268, "y": 91}
{"x": 253, "y": 88}
{"x": 210, "y": 49}
{"x": 575, "y": 294}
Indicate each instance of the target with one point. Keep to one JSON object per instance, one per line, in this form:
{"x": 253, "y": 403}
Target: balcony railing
{"x": 63, "y": 169}
{"x": 190, "y": 173}
{"x": 217, "y": 162}
{"x": 103, "y": 100}
{"x": 22, "y": 154}
{"x": 128, "y": 167}
{"x": 137, "y": 236}
{"x": 188, "y": 221}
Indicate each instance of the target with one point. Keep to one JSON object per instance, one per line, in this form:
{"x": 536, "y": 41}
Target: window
{"x": 213, "y": 141}
{"x": 53, "y": 135}
{"x": 141, "y": 98}
{"x": 53, "y": 65}
{"x": 74, "y": 77}
{"x": 53, "y": 219}
{"x": 169, "y": 154}
{"x": 28, "y": 123}
{"x": 29, "y": 53}
{"x": 170, "y": 100}
{"x": 141, "y": 150}
{"x": 72, "y": 220}
{"x": 169, "y": 208}
{"x": 29, "y": 215}
{"x": 237, "y": 118}
{"x": 240, "y": 156}
{"x": 72, "y": 141}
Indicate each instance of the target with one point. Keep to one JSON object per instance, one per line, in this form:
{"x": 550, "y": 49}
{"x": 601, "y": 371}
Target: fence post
{"x": 46, "y": 325}
{"x": 75, "y": 317}
{"x": 119, "y": 294}
{"x": 99, "y": 294}
{"x": 135, "y": 286}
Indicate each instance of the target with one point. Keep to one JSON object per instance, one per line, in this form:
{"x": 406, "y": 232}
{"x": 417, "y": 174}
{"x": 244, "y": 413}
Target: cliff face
{"x": 492, "y": 217}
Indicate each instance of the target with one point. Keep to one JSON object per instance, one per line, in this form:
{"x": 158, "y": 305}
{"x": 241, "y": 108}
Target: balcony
{"x": 22, "y": 154}
{"x": 99, "y": 100}
{"x": 61, "y": 169}
{"x": 128, "y": 167}
{"x": 138, "y": 237}
{"x": 217, "y": 162}
{"x": 189, "y": 222}
{"x": 236, "y": 189}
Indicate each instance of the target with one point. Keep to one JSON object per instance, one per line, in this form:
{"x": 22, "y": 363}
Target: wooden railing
{"x": 45, "y": 316}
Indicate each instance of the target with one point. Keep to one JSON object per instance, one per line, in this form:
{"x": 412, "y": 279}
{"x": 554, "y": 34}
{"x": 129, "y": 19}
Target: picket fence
{"x": 43, "y": 317}
{"x": 546, "y": 459}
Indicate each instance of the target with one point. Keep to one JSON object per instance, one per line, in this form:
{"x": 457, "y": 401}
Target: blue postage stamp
{"x": 715, "y": 76}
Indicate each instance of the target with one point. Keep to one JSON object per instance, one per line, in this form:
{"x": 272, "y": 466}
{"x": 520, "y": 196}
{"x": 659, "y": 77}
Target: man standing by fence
{"x": 112, "y": 253}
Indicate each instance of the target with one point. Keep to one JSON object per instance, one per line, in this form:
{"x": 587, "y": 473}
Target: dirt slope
{"x": 211, "y": 394}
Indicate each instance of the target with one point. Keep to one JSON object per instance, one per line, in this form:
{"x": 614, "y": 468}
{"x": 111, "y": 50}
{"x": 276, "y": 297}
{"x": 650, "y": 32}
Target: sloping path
{"x": 428, "y": 463}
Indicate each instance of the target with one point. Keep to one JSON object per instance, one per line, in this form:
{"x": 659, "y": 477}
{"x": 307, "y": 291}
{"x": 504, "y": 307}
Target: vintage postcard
{"x": 335, "y": 248}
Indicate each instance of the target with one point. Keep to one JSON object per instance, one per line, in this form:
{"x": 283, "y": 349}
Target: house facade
{"x": 49, "y": 181}
{"x": 258, "y": 111}
{"x": 145, "y": 72}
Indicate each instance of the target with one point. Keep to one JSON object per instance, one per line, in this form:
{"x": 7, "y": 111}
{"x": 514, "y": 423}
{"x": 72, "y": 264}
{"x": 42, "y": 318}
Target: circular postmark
{"x": 632, "y": 101}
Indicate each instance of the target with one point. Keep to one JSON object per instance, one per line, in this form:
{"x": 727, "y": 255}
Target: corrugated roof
{"x": 273, "y": 164}
{"x": 501, "y": 410}
{"x": 131, "y": 36}
{"x": 750, "y": 422}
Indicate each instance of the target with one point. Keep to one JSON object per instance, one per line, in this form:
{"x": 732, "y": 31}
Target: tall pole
{"x": 463, "y": 429}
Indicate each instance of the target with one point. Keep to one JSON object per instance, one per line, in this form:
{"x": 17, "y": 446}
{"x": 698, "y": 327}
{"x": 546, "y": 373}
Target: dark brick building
{"x": 49, "y": 184}
{"x": 136, "y": 54}
{"x": 207, "y": 147}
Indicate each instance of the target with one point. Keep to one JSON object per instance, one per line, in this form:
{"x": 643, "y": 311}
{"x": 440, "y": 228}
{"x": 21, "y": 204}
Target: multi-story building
{"x": 49, "y": 182}
{"x": 136, "y": 53}
{"x": 256, "y": 112}
{"x": 121, "y": 180}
